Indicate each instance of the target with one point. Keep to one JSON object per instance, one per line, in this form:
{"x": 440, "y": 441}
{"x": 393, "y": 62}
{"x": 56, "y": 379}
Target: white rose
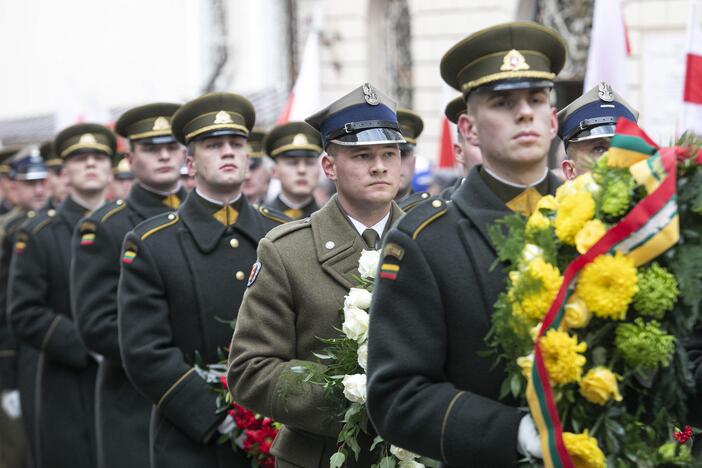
{"x": 363, "y": 356}
{"x": 531, "y": 252}
{"x": 355, "y": 388}
{"x": 355, "y": 325}
{"x": 368, "y": 263}
{"x": 358, "y": 297}
{"x": 409, "y": 464}
{"x": 402, "y": 454}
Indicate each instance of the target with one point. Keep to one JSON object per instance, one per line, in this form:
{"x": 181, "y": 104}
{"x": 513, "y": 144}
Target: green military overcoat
{"x": 305, "y": 269}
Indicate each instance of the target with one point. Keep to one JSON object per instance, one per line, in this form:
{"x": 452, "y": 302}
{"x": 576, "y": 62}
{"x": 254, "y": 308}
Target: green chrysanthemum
{"x": 616, "y": 197}
{"x": 643, "y": 345}
{"x": 658, "y": 291}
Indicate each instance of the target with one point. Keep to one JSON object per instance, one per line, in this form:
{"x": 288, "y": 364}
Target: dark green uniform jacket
{"x": 429, "y": 390}
{"x": 123, "y": 414}
{"x": 17, "y": 362}
{"x": 183, "y": 277}
{"x": 412, "y": 200}
{"x": 306, "y": 269}
{"x": 294, "y": 213}
{"x": 39, "y": 308}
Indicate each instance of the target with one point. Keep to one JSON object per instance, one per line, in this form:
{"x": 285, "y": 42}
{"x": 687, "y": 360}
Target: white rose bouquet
{"x": 344, "y": 376}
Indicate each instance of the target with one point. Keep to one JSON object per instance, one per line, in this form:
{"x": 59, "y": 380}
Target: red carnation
{"x": 223, "y": 381}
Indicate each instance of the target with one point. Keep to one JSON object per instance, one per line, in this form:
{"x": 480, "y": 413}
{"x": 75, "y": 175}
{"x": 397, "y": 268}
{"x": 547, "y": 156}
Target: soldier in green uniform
{"x": 39, "y": 302}
{"x": 430, "y": 389}
{"x": 123, "y": 414}
{"x": 305, "y": 269}
{"x": 183, "y": 274}
{"x": 122, "y": 178}
{"x": 258, "y": 177}
{"x": 587, "y": 125}
{"x": 295, "y": 147}
{"x": 18, "y": 363}
{"x": 55, "y": 181}
{"x": 411, "y": 126}
{"x": 7, "y": 189}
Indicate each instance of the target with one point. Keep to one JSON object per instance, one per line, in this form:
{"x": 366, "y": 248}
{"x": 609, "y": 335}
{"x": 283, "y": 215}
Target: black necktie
{"x": 371, "y": 238}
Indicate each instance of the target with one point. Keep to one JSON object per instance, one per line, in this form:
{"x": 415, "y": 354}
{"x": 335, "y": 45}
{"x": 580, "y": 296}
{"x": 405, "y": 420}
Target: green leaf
{"x": 387, "y": 462}
{"x": 515, "y": 385}
{"x": 376, "y": 441}
{"x": 337, "y": 460}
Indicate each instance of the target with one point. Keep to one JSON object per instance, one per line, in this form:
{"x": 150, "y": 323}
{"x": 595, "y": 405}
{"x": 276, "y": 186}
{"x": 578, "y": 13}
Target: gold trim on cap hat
{"x": 505, "y": 76}
{"x": 77, "y": 146}
{"x": 293, "y": 146}
{"x": 223, "y": 117}
{"x": 202, "y": 130}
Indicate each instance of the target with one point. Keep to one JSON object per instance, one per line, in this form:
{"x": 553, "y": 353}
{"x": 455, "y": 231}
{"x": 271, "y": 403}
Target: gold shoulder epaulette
{"x": 155, "y": 224}
{"x": 275, "y": 215}
{"x": 422, "y": 216}
{"x": 111, "y": 210}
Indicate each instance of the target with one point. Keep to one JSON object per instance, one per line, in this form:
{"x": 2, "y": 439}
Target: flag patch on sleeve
{"x": 389, "y": 271}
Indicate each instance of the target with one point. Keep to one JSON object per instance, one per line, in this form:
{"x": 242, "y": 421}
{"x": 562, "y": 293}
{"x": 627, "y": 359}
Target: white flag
{"x": 606, "y": 59}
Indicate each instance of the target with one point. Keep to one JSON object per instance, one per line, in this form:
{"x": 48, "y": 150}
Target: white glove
{"x": 11, "y": 403}
{"x": 528, "y": 441}
{"x": 226, "y": 426}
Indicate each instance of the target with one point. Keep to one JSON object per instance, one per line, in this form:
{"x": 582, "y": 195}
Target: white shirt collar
{"x": 512, "y": 184}
{"x": 292, "y": 204}
{"x": 217, "y": 202}
{"x": 378, "y": 227}
{"x": 160, "y": 192}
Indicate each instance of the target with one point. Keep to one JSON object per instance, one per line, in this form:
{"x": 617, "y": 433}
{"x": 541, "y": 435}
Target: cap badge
{"x": 161, "y": 123}
{"x": 369, "y": 95}
{"x": 604, "y": 91}
{"x": 87, "y": 139}
{"x": 514, "y": 61}
{"x": 300, "y": 139}
{"x": 223, "y": 117}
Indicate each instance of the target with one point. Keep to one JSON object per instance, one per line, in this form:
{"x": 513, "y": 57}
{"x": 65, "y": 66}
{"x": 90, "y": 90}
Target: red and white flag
{"x": 691, "y": 115}
{"x": 304, "y": 99}
{"x": 447, "y": 131}
{"x": 609, "y": 47}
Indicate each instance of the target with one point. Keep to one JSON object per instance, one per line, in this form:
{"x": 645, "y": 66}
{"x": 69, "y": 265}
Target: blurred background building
{"x": 90, "y": 59}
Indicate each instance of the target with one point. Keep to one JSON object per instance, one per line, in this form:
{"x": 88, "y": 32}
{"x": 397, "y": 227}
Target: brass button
{"x": 171, "y": 216}
{"x": 436, "y": 203}
{"x": 425, "y": 195}
{"x": 240, "y": 275}
{"x": 330, "y": 245}
{"x": 234, "y": 243}
{"x": 120, "y": 202}
{"x": 51, "y": 213}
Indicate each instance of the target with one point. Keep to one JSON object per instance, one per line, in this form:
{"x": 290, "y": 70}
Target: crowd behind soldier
{"x": 114, "y": 360}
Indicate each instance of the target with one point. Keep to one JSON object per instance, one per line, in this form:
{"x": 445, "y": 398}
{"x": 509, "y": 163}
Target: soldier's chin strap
{"x": 353, "y": 127}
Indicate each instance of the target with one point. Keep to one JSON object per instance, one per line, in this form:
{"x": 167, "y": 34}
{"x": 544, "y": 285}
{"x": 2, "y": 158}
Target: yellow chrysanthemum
{"x": 599, "y": 385}
{"x": 607, "y": 285}
{"x": 547, "y": 202}
{"x": 533, "y": 305}
{"x": 591, "y": 232}
{"x": 586, "y": 182}
{"x": 566, "y": 189}
{"x": 584, "y": 450}
{"x": 573, "y": 212}
{"x": 526, "y": 363}
{"x": 537, "y": 222}
{"x": 562, "y": 356}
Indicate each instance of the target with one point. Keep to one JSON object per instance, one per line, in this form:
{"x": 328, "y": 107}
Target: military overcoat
{"x": 183, "y": 276}
{"x": 430, "y": 390}
{"x": 39, "y": 307}
{"x": 294, "y": 298}
{"x": 122, "y": 413}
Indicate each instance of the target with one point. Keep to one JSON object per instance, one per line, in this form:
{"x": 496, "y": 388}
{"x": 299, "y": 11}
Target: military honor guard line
{"x": 114, "y": 315}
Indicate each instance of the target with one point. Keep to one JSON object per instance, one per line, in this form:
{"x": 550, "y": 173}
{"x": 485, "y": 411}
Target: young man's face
{"x": 56, "y": 182}
{"x": 32, "y": 194}
{"x": 157, "y": 166}
{"x": 364, "y": 174}
{"x": 9, "y": 190}
{"x": 257, "y": 179}
{"x": 219, "y": 163}
{"x": 298, "y": 176}
{"x": 88, "y": 172}
{"x": 408, "y": 160}
{"x": 120, "y": 188}
{"x": 510, "y": 127}
{"x": 582, "y": 156}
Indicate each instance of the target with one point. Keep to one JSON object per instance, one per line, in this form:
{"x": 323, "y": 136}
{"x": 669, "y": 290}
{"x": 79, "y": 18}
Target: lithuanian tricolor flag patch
{"x": 128, "y": 256}
{"x": 87, "y": 239}
{"x": 389, "y": 271}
